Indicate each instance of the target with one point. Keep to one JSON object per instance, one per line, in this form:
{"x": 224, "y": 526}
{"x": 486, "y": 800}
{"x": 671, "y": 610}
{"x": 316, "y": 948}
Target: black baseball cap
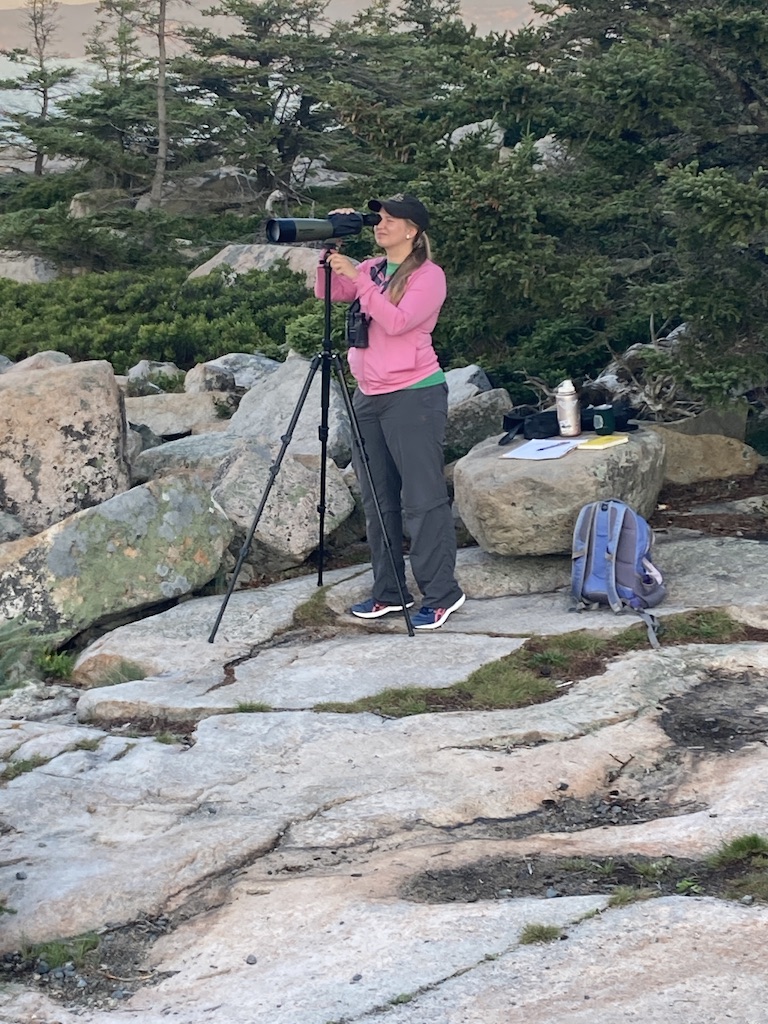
{"x": 404, "y": 206}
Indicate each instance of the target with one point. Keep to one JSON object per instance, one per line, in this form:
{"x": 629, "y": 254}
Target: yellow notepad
{"x": 604, "y": 441}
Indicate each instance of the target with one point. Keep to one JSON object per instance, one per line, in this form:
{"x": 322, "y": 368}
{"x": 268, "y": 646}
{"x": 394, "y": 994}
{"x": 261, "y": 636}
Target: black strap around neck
{"x": 379, "y": 275}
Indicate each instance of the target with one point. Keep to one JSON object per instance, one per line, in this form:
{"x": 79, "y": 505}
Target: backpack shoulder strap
{"x": 616, "y": 513}
{"x": 582, "y": 533}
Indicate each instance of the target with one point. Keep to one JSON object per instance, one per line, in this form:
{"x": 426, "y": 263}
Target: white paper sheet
{"x": 546, "y": 448}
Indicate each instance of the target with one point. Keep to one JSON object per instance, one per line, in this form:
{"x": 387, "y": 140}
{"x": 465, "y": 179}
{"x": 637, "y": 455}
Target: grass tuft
{"x": 169, "y": 738}
{"x": 575, "y": 864}
{"x": 653, "y": 870}
{"x": 22, "y": 644}
{"x": 689, "y": 886}
{"x": 122, "y": 671}
{"x": 498, "y": 685}
{"x": 753, "y": 883}
{"x": 56, "y": 666}
{"x": 92, "y": 744}
{"x": 604, "y": 868}
{"x": 63, "y": 951}
{"x": 533, "y": 933}
{"x": 392, "y": 703}
{"x": 740, "y": 849}
{"x": 708, "y": 627}
{"x": 749, "y": 853}
{"x": 623, "y": 895}
{"x": 404, "y": 997}
{"x": 314, "y": 612}
{"x": 589, "y": 916}
{"x": 549, "y": 659}
{"x": 16, "y": 768}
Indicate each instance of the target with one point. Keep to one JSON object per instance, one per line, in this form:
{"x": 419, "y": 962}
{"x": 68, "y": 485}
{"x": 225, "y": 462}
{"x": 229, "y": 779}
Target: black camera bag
{"x": 535, "y": 425}
{"x": 541, "y": 424}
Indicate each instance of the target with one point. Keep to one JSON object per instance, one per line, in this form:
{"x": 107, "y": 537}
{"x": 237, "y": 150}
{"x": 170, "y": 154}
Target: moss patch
{"x": 537, "y": 671}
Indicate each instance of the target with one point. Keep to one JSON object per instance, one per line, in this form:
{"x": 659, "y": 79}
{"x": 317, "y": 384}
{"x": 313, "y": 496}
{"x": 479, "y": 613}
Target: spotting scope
{"x": 307, "y": 229}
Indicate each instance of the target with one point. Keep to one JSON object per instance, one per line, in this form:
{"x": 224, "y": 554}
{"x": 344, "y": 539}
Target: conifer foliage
{"x": 614, "y": 187}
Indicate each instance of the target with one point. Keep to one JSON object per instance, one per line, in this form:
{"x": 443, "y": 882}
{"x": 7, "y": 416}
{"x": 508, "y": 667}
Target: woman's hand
{"x": 344, "y": 210}
{"x": 339, "y": 264}
{"x": 342, "y": 265}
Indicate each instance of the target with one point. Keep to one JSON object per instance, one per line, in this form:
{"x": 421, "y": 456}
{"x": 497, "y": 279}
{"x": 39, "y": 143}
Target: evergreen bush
{"x": 650, "y": 209}
{"x": 127, "y": 316}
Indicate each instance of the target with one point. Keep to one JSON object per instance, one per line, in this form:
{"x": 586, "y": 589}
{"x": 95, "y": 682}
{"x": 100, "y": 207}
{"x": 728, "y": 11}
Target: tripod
{"x": 326, "y": 360}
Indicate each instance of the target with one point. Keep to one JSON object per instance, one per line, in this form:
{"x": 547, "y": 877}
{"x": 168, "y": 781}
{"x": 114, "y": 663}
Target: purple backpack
{"x": 611, "y": 562}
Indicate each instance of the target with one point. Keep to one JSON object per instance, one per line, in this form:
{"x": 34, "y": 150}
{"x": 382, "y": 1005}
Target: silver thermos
{"x": 568, "y": 413}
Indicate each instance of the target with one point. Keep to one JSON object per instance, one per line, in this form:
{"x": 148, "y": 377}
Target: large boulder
{"x": 465, "y": 382}
{"x": 26, "y": 268}
{"x": 208, "y": 377}
{"x": 288, "y": 528}
{"x": 146, "y": 546}
{"x": 314, "y": 172}
{"x": 179, "y": 413}
{"x": 518, "y": 507}
{"x": 45, "y": 360}
{"x": 491, "y": 134}
{"x": 201, "y": 454}
{"x": 99, "y": 200}
{"x": 150, "y": 369}
{"x": 695, "y": 457}
{"x": 62, "y": 441}
{"x": 216, "y": 190}
{"x": 474, "y": 420}
{"x": 244, "y": 369}
{"x": 726, "y": 421}
{"x": 240, "y": 259}
{"x": 266, "y": 410}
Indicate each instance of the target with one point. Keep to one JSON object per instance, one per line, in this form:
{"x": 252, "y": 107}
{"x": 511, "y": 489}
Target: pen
{"x": 555, "y": 444}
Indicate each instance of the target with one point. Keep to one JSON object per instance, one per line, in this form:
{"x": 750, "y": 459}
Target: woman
{"x": 401, "y": 404}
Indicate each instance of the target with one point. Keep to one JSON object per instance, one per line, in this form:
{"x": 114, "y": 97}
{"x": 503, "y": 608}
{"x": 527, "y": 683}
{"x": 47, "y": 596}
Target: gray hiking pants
{"x": 403, "y": 434}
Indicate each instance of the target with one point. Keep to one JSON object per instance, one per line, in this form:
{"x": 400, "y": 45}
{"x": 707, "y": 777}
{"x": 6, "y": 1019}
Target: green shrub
{"x": 25, "y": 192}
{"x": 56, "y": 666}
{"x": 23, "y": 646}
{"x": 127, "y": 316}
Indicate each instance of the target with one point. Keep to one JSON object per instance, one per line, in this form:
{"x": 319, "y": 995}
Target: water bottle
{"x": 568, "y": 414}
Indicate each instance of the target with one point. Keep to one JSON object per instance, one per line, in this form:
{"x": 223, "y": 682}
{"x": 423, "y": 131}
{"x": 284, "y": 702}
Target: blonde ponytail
{"x": 420, "y": 253}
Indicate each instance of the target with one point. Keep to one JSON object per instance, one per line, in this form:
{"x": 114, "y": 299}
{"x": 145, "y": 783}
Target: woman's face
{"x": 392, "y": 232}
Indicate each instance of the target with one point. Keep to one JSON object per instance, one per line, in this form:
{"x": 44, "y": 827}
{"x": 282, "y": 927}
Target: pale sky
{"x": 7, "y": 5}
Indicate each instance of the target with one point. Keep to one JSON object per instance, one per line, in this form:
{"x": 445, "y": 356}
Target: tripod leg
{"x": 274, "y": 469}
{"x": 360, "y": 444}
{"x": 325, "y": 401}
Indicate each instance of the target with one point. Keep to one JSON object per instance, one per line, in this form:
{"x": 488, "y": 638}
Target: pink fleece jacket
{"x": 400, "y": 351}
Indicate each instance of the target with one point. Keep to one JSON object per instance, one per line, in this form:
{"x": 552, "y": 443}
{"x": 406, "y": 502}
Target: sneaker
{"x": 433, "y": 618}
{"x": 371, "y": 609}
